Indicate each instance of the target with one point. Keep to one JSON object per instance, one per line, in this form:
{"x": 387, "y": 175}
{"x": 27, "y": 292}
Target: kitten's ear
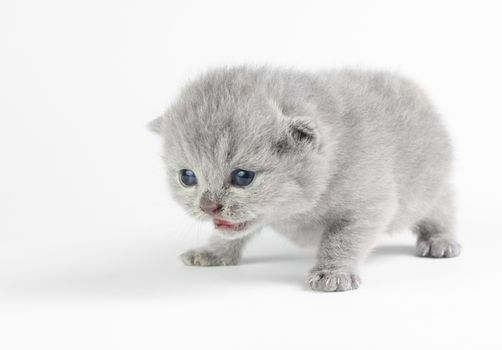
{"x": 301, "y": 133}
{"x": 155, "y": 125}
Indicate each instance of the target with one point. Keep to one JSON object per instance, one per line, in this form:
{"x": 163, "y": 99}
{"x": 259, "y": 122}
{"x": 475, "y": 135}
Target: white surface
{"x": 89, "y": 237}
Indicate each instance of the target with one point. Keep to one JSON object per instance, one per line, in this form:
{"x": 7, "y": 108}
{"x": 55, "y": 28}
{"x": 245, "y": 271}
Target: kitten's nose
{"x": 210, "y": 208}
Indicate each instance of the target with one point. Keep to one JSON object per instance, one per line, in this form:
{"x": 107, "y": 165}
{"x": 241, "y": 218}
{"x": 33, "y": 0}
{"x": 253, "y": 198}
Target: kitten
{"x": 333, "y": 159}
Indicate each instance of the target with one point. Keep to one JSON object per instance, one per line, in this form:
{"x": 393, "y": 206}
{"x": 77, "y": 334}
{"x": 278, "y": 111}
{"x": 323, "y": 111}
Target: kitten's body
{"x": 341, "y": 157}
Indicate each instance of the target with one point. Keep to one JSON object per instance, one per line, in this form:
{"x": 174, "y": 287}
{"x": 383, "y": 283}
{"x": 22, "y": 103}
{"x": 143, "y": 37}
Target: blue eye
{"x": 241, "y": 177}
{"x": 188, "y": 177}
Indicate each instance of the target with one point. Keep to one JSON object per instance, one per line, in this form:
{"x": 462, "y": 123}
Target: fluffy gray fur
{"x": 340, "y": 157}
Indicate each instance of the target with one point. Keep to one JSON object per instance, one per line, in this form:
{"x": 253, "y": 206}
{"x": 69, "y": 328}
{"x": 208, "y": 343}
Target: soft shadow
{"x": 157, "y": 272}
{"x": 275, "y": 259}
{"x": 387, "y": 250}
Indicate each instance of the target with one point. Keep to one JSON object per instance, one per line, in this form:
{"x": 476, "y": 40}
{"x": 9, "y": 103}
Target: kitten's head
{"x": 233, "y": 157}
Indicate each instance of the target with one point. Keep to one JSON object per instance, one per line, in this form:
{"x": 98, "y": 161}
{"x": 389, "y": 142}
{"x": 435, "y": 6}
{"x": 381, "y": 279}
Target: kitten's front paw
{"x": 438, "y": 248}
{"x": 203, "y": 257}
{"x": 329, "y": 280}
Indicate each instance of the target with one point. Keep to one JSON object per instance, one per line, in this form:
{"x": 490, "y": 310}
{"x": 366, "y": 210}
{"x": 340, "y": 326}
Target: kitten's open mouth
{"x": 231, "y": 226}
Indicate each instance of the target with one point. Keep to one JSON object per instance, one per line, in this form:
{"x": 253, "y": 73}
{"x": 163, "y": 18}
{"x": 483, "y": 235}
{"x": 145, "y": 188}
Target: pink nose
{"x": 211, "y": 208}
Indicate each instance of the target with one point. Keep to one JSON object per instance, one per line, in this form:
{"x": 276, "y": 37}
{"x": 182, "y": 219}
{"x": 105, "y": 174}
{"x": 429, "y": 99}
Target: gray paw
{"x": 438, "y": 248}
{"x": 203, "y": 257}
{"x": 327, "y": 280}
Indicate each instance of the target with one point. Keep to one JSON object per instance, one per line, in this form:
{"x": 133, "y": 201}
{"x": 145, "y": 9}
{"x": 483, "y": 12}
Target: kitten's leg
{"x": 219, "y": 252}
{"x": 435, "y": 232}
{"x": 345, "y": 244}
{"x": 343, "y": 247}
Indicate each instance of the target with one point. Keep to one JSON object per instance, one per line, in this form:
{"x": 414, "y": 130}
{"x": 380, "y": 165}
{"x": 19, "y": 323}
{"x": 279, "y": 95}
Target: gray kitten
{"x": 332, "y": 159}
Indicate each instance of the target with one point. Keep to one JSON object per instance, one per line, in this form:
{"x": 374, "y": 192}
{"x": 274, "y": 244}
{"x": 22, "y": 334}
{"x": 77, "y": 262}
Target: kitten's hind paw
{"x": 327, "y": 280}
{"x": 203, "y": 257}
{"x": 438, "y": 248}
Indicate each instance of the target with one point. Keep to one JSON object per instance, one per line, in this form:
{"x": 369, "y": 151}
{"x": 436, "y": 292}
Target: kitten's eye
{"x": 241, "y": 177}
{"x": 188, "y": 177}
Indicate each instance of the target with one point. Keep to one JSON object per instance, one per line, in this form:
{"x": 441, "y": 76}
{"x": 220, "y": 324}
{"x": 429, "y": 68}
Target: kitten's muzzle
{"x": 211, "y": 208}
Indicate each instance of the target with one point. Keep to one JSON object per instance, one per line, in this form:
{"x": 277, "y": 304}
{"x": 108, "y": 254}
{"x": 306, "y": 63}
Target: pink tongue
{"x": 226, "y": 224}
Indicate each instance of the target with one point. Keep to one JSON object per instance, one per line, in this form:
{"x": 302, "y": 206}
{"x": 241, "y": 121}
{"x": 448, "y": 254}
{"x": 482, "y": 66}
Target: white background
{"x": 89, "y": 236}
